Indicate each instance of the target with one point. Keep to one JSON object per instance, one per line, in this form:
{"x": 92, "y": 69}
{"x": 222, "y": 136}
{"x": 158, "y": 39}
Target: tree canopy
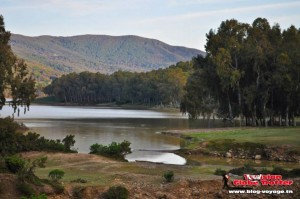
{"x": 157, "y": 87}
{"x": 251, "y": 72}
{"x": 14, "y": 78}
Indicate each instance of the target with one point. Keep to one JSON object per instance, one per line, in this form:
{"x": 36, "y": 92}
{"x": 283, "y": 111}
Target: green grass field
{"x": 268, "y": 136}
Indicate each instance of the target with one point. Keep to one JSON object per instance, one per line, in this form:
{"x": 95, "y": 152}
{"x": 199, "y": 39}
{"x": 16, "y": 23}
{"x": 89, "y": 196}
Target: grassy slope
{"x": 42, "y": 73}
{"x": 98, "y": 170}
{"x": 268, "y": 136}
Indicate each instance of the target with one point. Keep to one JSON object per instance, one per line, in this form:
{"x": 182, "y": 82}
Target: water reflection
{"x": 92, "y": 125}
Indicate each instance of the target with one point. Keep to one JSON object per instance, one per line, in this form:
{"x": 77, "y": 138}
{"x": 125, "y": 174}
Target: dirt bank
{"x": 143, "y": 180}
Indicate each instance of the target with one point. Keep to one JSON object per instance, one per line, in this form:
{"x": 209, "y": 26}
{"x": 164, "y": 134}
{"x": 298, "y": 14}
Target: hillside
{"x": 99, "y": 53}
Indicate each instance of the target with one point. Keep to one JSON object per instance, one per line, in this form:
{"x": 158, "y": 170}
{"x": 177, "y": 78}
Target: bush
{"x": 114, "y": 149}
{"x": 69, "y": 141}
{"x": 25, "y": 189}
{"x": 220, "y": 172}
{"x": 14, "y": 163}
{"x": 169, "y": 176}
{"x": 56, "y": 174}
{"x": 12, "y": 140}
{"x": 116, "y": 192}
{"x": 42, "y": 196}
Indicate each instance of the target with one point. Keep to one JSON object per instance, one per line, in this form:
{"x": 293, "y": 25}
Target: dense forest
{"x": 251, "y": 72}
{"x": 157, "y": 87}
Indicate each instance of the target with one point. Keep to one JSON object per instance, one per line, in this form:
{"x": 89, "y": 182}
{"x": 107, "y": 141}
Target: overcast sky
{"x": 176, "y": 22}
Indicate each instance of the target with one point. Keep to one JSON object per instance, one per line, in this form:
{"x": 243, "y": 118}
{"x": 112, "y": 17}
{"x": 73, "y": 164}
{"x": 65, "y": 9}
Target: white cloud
{"x": 221, "y": 12}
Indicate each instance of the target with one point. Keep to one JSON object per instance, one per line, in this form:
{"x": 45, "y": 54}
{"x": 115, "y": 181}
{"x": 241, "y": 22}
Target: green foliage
{"x": 69, "y": 141}
{"x": 116, "y": 192}
{"x": 219, "y": 172}
{"x": 250, "y": 71}
{"x": 169, "y": 176}
{"x": 12, "y": 140}
{"x": 114, "y": 149}
{"x": 14, "y": 163}
{"x": 25, "y": 188}
{"x": 56, "y": 174}
{"x": 26, "y": 174}
{"x": 14, "y": 75}
{"x": 157, "y": 87}
{"x": 42, "y": 196}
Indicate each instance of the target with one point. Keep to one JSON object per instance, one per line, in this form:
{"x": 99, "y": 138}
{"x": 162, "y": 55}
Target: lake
{"x": 92, "y": 125}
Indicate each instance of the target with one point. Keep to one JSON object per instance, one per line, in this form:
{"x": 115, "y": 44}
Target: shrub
{"x": 220, "y": 172}
{"x": 114, "y": 149}
{"x": 25, "y": 189}
{"x": 13, "y": 141}
{"x": 14, "y": 163}
{"x": 27, "y": 172}
{"x": 56, "y": 174}
{"x": 68, "y": 141}
{"x": 169, "y": 176}
{"x": 42, "y": 196}
{"x": 116, "y": 192}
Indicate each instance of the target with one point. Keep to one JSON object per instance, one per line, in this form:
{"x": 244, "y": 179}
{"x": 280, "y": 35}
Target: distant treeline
{"x": 157, "y": 87}
{"x": 250, "y": 72}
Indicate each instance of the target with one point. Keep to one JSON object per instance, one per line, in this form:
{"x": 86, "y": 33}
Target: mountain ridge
{"x": 98, "y": 53}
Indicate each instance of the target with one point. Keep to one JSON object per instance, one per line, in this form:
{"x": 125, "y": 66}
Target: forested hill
{"x": 99, "y": 53}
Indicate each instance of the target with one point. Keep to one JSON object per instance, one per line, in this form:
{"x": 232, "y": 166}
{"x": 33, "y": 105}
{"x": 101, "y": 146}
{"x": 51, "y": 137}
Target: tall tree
{"x": 14, "y": 76}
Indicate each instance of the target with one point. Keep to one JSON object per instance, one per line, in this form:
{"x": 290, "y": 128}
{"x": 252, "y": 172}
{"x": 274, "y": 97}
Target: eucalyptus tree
{"x": 14, "y": 76}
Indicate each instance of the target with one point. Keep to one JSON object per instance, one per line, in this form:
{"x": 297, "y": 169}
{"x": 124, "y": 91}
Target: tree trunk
{"x": 265, "y": 116}
{"x": 240, "y": 105}
{"x": 229, "y": 107}
{"x": 280, "y": 120}
{"x": 293, "y": 118}
{"x": 287, "y": 116}
{"x": 254, "y": 116}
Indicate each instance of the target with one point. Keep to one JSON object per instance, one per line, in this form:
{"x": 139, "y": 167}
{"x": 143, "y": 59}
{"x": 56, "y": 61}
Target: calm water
{"x": 103, "y": 125}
